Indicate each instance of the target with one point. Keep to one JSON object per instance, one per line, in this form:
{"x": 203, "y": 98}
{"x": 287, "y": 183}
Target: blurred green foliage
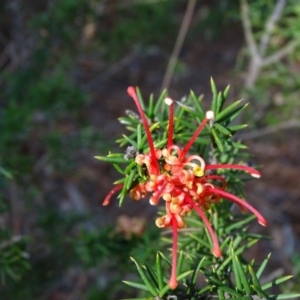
{"x": 42, "y": 116}
{"x": 276, "y": 90}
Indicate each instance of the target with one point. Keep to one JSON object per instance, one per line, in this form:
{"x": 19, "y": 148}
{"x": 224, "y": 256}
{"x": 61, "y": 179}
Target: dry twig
{"x": 258, "y": 60}
{"x": 294, "y": 123}
{"x": 178, "y": 44}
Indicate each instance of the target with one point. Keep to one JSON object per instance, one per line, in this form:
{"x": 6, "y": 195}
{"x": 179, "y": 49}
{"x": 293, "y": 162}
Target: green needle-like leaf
{"x": 159, "y": 272}
{"x": 219, "y": 102}
{"x": 221, "y": 294}
{"x": 118, "y": 168}
{"x": 222, "y": 129}
{"x": 147, "y": 282}
{"x": 237, "y": 277}
{"x": 284, "y": 296}
{"x": 140, "y": 97}
{"x": 5, "y": 173}
{"x": 179, "y": 263}
{"x": 227, "y": 112}
{"x": 256, "y": 284}
{"x": 130, "y": 141}
{"x": 139, "y": 137}
{"x": 214, "y": 104}
{"x": 235, "y": 128}
{"x": 237, "y": 252}
{"x": 136, "y": 285}
{"x": 180, "y": 277}
{"x": 151, "y": 274}
{"x": 138, "y": 298}
{"x": 220, "y": 285}
{"x": 122, "y": 180}
{"x": 239, "y": 145}
{"x": 242, "y": 275}
{"x": 276, "y": 282}
{"x": 239, "y": 224}
{"x": 206, "y": 289}
{"x": 197, "y": 105}
{"x": 225, "y": 95}
{"x": 131, "y": 178}
{"x": 160, "y": 104}
{"x": 263, "y": 266}
{"x": 217, "y": 140}
{"x": 259, "y": 292}
{"x": 151, "y": 107}
{"x": 118, "y": 160}
{"x": 195, "y": 272}
{"x": 236, "y": 112}
{"x": 167, "y": 260}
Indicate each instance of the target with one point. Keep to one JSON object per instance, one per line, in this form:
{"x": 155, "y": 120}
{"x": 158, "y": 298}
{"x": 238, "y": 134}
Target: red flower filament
{"x": 183, "y": 182}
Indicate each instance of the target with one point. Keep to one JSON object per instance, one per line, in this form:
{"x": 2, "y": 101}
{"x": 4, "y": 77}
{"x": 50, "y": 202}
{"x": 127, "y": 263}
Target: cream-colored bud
{"x": 210, "y": 115}
{"x": 159, "y": 222}
{"x": 169, "y": 101}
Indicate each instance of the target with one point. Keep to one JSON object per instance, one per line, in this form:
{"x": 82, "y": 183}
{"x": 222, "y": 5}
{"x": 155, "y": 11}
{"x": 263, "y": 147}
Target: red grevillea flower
{"x": 183, "y": 181}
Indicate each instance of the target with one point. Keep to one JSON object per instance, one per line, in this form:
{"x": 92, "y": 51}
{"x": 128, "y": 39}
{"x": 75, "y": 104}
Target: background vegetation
{"x": 65, "y": 66}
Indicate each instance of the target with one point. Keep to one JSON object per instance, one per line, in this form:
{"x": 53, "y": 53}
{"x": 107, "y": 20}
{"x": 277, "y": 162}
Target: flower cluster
{"x": 185, "y": 182}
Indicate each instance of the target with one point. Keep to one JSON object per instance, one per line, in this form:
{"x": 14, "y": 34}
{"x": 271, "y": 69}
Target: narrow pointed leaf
{"x": 180, "y": 277}
{"x": 239, "y": 145}
{"x": 259, "y": 291}
{"x": 221, "y": 294}
{"x": 5, "y": 173}
{"x": 284, "y": 296}
{"x": 263, "y": 266}
{"x": 222, "y": 129}
{"x": 130, "y": 141}
{"x": 187, "y": 108}
{"x": 237, "y": 277}
{"x": 196, "y": 102}
{"x": 215, "y": 96}
{"x": 118, "y": 168}
{"x": 151, "y": 107}
{"x": 219, "y": 102}
{"x": 237, "y": 252}
{"x": 179, "y": 263}
{"x": 242, "y": 275}
{"x": 139, "y": 137}
{"x": 136, "y": 285}
{"x": 159, "y": 272}
{"x": 220, "y": 285}
{"x": 195, "y": 272}
{"x": 221, "y": 98}
{"x": 239, "y": 224}
{"x": 117, "y": 160}
{"x": 226, "y": 92}
{"x": 159, "y": 103}
{"x": 122, "y": 180}
{"x": 128, "y": 121}
{"x": 225, "y": 113}
{"x": 255, "y": 280}
{"x": 236, "y": 112}
{"x": 167, "y": 260}
{"x": 217, "y": 140}
{"x": 140, "y": 97}
{"x": 129, "y": 167}
{"x": 204, "y": 290}
{"x": 137, "y": 298}
{"x": 276, "y": 282}
{"x": 147, "y": 282}
{"x": 131, "y": 178}
{"x": 235, "y": 128}
{"x": 151, "y": 274}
